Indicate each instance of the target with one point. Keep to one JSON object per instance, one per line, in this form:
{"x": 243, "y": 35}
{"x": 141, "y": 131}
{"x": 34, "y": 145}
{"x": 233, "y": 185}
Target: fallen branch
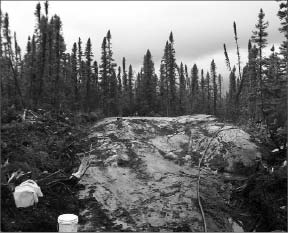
{"x": 49, "y": 176}
{"x": 85, "y": 164}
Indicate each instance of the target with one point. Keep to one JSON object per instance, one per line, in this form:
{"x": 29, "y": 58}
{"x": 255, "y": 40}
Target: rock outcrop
{"x": 147, "y": 180}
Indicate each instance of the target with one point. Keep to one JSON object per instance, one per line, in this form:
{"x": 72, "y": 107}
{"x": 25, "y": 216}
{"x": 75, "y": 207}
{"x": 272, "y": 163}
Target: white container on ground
{"x": 67, "y": 223}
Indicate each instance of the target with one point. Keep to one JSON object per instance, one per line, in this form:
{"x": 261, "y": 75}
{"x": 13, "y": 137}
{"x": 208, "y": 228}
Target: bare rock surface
{"x": 148, "y": 178}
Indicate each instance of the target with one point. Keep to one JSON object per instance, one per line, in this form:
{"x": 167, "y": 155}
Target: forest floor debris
{"x": 42, "y": 147}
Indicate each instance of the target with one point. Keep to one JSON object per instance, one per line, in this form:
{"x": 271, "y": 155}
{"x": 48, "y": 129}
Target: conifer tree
{"x": 149, "y": 87}
{"x": 74, "y": 75}
{"x": 241, "y": 81}
{"x": 252, "y": 76}
{"x": 163, "y": 89}
{"x": 43, "y": 66}
{"x": 194, "y": 88}
{"x": 172, "y": 75}
{"x": 220, "y": 90}
{"x": 113, "y": 98}
{"x": 59, "y": 51}
{"x": 1, "y": 44}
{"x": 259, "y": 37}
{"x": 125, "y": 93}
{"x": 33, "y": 74}
{"x": 182, "y": 91}
{"x": 138, "y": 93}
{"x": 232, "y": 94}
{"x": 164, "y": 77}
{"x": 104, "y": 69}
{"x": 283, "y": 16}
{"x": 119, "y": 91}
{"x": 214, "y": 89}
{"x": 108, "y": 76}
{"x": 80, "y": 55}
{"x": 124, "y": 76}
{"x": 208, "y": 83}
{"x": 88, "y": 74}
{"x": 110, "y": 59}
{"x": 11, "y": 64}
{"x": 130, "y": 89}
{"x": 38, "y": 12}
{"x": 119, "y": 80}
{"x": 96, "y": 89}
{"x": 202, "y": 86}
{"x": 188, "y": 90}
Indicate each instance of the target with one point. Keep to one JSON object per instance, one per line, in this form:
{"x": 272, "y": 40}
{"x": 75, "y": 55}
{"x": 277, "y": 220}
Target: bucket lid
{"x": 67, "y": 218}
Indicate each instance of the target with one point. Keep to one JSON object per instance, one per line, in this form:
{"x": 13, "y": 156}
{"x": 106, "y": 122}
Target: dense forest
{"x": 45, "y": 75}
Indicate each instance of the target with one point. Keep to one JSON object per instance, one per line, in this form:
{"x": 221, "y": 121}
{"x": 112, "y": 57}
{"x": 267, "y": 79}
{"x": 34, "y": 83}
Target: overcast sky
{"x": 200, "y": 27}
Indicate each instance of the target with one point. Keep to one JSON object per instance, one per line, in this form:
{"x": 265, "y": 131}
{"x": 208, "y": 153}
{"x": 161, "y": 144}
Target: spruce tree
{"x": 194, "y": 88}
{"x": 259, "y": 37}
{"x": 283, "y": 16}
{"x": 202, "y": 87}
{"x": 220, "y": 91}
{"x": 149, "y": 88}
{"x": 59, "y": 48}
{"x": 188, "y": 91}
{"x": 88, "y": 74}
{"x": 104, "y": 69}
{"x": 120, "y": 92}
{"x": 14, "y": 92}
{"x": 1, "y": 44}
{"x": 74, "y": 75}
{"x": 182, "y": 90}
{"x": 172, "y": 75}
{"x": 80, "y": 55}
{"x": 252, "y": 76}
{"x": 96, "y": 89}
{"x": 130, "y": 89}
{"x": 232, "y": 95}
{"x": 138, "y": 93}
{"x": 163, "y": 89}
{"x": 125, "y": 94}
{"x": 113, "y": 98}
{"x": 110, "y": 58}
{"x": 124, "y": 76}
{"x": 164, "y": 79}
{"x": 33, "y": 74}
{"x": 214, "y": 86}
{"x": 208, "y": 88}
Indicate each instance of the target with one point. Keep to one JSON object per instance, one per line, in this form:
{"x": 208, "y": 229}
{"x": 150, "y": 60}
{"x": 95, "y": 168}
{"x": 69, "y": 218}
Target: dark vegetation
{"x": 47, "y": 147}
{"x": 69, "y": 90}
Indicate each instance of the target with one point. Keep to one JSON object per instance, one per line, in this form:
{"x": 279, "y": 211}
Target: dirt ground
{"x": 45, "y": 146}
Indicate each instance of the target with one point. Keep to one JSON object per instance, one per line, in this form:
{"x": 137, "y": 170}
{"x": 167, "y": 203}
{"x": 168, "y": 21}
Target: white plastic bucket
{"x": 67, "y": 223}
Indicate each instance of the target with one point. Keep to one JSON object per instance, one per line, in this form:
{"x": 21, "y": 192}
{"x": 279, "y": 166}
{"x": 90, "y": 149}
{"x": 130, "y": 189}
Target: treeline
{"x": 258, "y": 91}
{"x": 49, "y": 77}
